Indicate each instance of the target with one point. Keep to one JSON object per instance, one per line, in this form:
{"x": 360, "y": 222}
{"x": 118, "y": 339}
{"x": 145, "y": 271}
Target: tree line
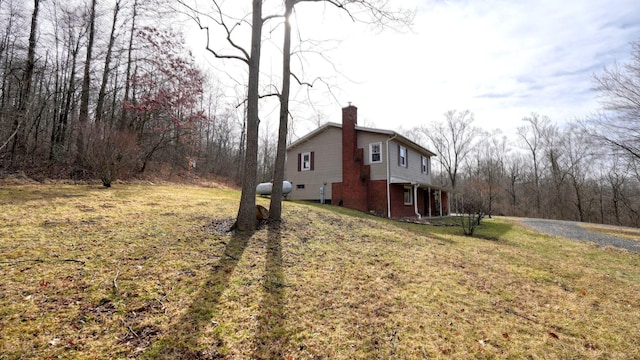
{"x": 584, "y": 170}
{"x": 105, "y": 89}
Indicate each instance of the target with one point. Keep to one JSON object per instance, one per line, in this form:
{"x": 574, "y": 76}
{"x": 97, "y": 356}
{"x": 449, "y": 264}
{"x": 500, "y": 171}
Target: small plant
{"x": 110, "y": 153}
{"x": 473, "y": 213}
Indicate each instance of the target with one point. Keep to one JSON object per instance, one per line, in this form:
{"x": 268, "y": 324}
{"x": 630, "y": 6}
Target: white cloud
{"x": 500, "y": 59}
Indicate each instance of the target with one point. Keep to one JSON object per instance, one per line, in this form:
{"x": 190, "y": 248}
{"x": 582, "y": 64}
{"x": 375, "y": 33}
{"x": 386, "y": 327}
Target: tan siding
{"x": 413, "y": 172}
{"x": 378, "y": 170}
{"x": 327, "y": 150}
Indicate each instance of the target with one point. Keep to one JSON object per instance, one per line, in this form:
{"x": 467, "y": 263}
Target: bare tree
{"x": 579, "y": 152}
{"x": 27, "y": 78}
{"x": 124, "y": 119}
{"x": 275, "y": 206}
{"x": 486, "y": 171}
{"x": 107, "y": 63}
{"x": 619, "y": 88}
{"x": 452, "y": 141}
{"x": 83, "y": 118}
{"x": 534, "y": 134}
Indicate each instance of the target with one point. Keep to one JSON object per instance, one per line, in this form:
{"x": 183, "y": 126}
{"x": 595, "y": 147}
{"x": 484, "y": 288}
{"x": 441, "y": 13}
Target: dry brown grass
{"x": 618, "y": 231}
{"x": 142, "y": 271}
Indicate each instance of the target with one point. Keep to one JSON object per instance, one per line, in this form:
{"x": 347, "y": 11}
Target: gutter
{"x": 415, "y": 200}
{"x": 389, "y": 177}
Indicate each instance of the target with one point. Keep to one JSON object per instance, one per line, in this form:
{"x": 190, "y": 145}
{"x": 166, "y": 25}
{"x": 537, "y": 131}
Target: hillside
{"x": 142, "y": 271}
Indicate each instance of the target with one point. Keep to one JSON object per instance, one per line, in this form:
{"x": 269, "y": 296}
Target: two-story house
{"x": 366, "y": 169}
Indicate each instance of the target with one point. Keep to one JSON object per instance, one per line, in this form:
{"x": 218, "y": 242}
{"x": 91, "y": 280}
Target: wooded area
{"x": 107, "y": 89}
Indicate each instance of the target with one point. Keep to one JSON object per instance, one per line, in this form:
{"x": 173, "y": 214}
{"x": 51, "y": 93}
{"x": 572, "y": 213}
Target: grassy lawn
{"x": 142, "y": 271}
{"x": 621, "y": 232}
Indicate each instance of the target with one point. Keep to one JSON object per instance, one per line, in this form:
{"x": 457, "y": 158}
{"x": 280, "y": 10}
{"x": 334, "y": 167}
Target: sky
{"x": 502, "y": 60}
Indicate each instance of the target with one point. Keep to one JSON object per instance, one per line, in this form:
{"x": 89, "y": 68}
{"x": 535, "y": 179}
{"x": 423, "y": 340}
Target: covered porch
{"x": 412, "y": 199}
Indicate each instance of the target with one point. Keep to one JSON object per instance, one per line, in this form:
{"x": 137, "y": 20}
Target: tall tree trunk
{"x": 59, "y": 133}
{"x": 25, "y": 94}
{"x": 107, "y": 64}
{"x": 275, "y": 206}
{"x": 124, "y": 122}
{"x": 246, "y": 220}
{"x": 83, "y": 117}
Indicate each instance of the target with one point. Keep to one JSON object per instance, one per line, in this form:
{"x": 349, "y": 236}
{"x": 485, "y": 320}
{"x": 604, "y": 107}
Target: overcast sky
{"x": 500, "y": 59}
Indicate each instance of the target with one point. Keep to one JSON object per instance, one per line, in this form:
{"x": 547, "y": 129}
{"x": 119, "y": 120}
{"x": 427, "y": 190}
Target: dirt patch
{"x": 220, "y": 226}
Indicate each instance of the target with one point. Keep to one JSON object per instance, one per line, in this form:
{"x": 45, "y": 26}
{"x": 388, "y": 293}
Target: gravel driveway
{"x": 572, "y": 230}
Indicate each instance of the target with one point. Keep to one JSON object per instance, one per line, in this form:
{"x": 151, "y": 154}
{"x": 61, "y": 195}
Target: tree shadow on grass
{"x": 272, "y": 339}
{"x": 182, "y": 340}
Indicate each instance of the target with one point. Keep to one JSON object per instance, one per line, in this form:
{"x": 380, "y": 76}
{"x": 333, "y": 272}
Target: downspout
{"x": 389, "y": 177}
{"x": 415, "y": 200}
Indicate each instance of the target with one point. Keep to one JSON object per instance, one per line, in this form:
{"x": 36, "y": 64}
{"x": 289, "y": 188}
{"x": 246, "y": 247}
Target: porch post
{"x": 429, "y": 199}
{"x": 440, "y": 202}
{"x": 415, "y": 201}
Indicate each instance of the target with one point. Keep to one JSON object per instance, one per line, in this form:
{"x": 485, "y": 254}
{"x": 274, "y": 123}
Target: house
{"x": 371, "y": 170}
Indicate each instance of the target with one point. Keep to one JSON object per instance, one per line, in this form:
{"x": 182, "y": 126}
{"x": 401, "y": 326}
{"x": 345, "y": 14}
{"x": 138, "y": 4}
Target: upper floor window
{"x": 402, "y": 156}
{"x": 425, "y": 165}
{"x": 375, "y": 152}
{"x": 305, "y": 161}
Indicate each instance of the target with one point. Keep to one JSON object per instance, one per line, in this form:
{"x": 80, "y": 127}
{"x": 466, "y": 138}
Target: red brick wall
{"x": 378, "y": 197}
{"x": 336, "y": 193}
{"x": 398, "y": 208}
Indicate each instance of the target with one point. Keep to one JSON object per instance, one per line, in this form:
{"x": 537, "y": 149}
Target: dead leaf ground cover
{"x": 140, "y": 271}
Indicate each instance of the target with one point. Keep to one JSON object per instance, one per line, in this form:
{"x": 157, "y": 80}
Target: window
{"x": 402, "y": 156}
{"x": 375, "y": 152}
{"x": 425, "y": 165}
{"x": 305, "y": 161}
{"x": 408, "y": 195}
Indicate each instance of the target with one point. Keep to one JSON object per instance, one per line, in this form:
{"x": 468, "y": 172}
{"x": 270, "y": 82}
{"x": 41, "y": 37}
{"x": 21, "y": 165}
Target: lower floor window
{"x": 408, "y": 195}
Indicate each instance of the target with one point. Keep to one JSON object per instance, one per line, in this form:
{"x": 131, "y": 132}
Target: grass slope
{"x": 141, "y": 271}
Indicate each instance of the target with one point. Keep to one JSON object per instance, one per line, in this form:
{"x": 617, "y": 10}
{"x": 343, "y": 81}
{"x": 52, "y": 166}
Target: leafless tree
{"x": 619, "y": 89}
{"x": 578, "y": 150}
{"x": 452, "y": 140}
{"x": 533, "y": 134}
{"x": 27, "y": 78}
{"x": 83, "y": 118}
{"x": 107, "y": 63}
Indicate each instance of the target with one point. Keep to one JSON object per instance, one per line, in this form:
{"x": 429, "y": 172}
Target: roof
{"x": 391, "y": 134}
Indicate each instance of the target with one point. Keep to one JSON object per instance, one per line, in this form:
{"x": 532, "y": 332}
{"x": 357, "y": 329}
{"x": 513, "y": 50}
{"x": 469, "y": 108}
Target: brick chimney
{"x": 354, "y": 172}
{"x": 349, "y": 137}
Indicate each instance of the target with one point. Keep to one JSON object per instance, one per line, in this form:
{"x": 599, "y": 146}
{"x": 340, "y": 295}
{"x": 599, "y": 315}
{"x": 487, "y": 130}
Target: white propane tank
{"x": 266, "y": 188}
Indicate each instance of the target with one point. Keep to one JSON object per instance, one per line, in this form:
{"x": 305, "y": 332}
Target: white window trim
{"x": 308, "y": 163}
{"x": 410, "y": 188}
{"x": 371, "y": 152}
{"x": 425, "y": 165}
{"x": 406, "y": 155}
